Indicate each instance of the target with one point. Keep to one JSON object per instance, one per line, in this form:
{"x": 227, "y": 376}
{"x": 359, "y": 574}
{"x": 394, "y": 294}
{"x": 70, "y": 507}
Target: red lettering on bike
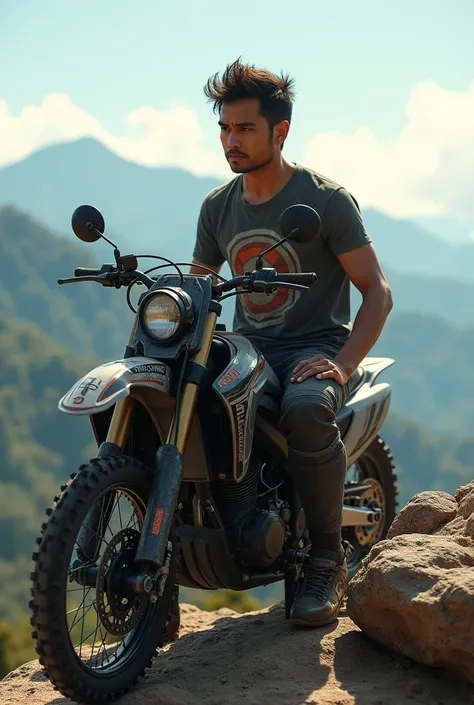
{"x": 157, "y": 521}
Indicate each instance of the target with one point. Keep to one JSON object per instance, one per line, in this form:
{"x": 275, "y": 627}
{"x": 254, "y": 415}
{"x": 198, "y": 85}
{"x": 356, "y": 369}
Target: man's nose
{"x": 232, "y": 140}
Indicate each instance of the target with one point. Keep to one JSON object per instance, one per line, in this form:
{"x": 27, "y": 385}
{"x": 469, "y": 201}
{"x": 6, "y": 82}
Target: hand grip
{"x": 86, "y": 272}
{"x": 304, "y": 278}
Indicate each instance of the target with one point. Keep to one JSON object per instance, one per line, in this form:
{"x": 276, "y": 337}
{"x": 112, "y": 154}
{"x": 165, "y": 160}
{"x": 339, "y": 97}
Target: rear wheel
{"x": 95, "y": 634}
{"x": 376, "y": 472}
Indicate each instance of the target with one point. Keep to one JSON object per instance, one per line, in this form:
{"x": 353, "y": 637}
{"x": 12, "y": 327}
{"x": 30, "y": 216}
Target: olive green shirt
{"x": 230, "y": 229}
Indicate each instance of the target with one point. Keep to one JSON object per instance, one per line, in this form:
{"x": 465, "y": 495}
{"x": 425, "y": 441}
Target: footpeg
{"x": 292, "y": 555}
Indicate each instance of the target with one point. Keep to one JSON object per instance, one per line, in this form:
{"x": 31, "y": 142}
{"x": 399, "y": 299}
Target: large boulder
{"x": 415, "y": 590}
{"x": 424, "y": 513}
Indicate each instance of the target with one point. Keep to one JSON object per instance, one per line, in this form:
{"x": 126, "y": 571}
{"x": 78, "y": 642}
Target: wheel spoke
{"x": 116, "y": 534}
{"x": 79, "y": 608}
{"x": 90, "y": 542}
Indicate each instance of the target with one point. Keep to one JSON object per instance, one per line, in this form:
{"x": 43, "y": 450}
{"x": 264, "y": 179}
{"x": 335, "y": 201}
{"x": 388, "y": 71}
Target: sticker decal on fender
{"x": 89, "y": 384}
{"x": 154, "y": 370}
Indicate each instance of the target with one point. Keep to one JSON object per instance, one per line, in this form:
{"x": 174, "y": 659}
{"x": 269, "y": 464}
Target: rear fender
{"x": 368, "y": 409}
{"x": 373, "y": 366}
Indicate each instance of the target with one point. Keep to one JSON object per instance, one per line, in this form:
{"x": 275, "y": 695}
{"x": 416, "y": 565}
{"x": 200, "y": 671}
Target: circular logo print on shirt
{"x": 242, "y": 252}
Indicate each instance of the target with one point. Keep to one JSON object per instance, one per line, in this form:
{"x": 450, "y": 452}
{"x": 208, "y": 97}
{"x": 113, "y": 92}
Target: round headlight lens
{"x": 161, "y": 316}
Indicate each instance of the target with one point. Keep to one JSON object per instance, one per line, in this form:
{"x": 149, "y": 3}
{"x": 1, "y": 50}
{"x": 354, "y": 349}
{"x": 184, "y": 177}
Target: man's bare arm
{"x": 364, "y": 270}
{"x": 198, "y": 270}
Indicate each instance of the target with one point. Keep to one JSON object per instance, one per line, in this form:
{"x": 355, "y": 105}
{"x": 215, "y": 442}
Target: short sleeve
{"x": 343, "y": 227}
{"x": 206, "y": 248}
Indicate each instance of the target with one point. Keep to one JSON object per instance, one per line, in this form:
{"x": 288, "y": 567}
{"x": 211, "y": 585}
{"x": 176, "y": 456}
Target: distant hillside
{"x": 429, "y": 295}
{"x": 157, "y": 208}
{"x": 84, "y": 317}
{"x": 38, "y": 445}
{"x": 433, "y": 379}
{"x": 154, "y": 209}
{"x": 409, "y": 248}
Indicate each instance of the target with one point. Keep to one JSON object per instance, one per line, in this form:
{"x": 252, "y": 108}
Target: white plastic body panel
{"x": 103, "y": 386}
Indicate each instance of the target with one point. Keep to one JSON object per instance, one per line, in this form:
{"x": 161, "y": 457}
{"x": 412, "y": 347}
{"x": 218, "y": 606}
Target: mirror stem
{"x": 259, "y": 262}
{"x": 90, "y": 226}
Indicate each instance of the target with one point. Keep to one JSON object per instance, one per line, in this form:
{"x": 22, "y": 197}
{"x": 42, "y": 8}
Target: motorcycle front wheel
{"x": 95, "y": 634}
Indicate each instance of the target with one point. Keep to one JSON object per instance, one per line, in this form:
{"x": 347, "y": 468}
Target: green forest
{"x": 51, "y": 335}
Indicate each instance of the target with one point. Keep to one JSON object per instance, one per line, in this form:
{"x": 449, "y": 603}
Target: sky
{"x": 385, "y": 91}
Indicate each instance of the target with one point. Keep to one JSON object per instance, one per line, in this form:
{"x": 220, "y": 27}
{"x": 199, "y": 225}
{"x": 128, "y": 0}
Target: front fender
{"x": 103, "y": 386}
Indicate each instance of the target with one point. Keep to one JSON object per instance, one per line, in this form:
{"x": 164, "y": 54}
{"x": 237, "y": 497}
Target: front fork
{"x": 165, "y": 487}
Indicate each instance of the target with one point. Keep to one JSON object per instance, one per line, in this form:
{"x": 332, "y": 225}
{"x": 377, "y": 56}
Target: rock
{"x": 462, "y": 491}
{"x": 424, "y": 513}
{"x": 415, "y": 590}
{"x": 461, "y": 527}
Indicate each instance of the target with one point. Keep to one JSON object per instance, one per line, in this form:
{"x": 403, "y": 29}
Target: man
{"x": 307, "y": 338}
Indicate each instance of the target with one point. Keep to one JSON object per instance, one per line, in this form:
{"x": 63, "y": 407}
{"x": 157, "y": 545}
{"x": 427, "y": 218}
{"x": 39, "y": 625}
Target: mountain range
{"x": 155, "y": 209}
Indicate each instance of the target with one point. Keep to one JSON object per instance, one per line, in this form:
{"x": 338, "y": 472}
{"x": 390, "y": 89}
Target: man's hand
{"x": 322, "y": 368}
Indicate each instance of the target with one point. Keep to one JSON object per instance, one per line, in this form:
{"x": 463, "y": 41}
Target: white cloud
{"x": 427, "y": 170}
{"x": 151, "y": 137}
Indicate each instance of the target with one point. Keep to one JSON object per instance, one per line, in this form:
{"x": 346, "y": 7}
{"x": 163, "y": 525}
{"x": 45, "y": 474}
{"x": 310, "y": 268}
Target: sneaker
{"x": 320, "y": 592}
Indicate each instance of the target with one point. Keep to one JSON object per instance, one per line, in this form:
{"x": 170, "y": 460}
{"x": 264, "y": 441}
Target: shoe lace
{"x": 318, "y": 581}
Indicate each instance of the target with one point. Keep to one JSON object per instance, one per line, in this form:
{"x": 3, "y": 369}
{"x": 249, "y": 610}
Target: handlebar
{"x": 265, "y": 279}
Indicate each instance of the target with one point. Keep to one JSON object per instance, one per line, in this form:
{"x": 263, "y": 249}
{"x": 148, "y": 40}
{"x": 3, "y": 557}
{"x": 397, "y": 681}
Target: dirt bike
{"x": 190, "y": 485}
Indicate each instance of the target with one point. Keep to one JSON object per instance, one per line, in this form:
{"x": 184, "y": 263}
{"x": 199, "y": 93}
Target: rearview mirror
{"x": 88, "y": 223}
{"x": 300, "y": 223}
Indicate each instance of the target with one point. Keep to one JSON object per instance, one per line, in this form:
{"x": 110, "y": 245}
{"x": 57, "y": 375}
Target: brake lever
{"x": 270, "y": 286}
{"x": 100, "y": 278}
{"x": 112, "y": 279}
{"x": 285, "y": 285}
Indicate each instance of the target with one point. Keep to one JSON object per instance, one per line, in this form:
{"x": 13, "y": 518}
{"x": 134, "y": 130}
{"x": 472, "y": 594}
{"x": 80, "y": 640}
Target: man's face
{"x": 248, "y": 142}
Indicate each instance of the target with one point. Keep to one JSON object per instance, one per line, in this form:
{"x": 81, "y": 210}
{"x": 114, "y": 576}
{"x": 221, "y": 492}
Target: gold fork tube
{"x": 190, "y": 390}
{"x": 131, "y": 339}
{"x": 120, "y": 422}
{"x": 122, "y": 414}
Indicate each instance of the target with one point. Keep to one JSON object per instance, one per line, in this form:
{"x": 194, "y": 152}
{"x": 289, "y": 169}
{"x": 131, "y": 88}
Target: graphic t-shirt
{"x": 232, "y": 230}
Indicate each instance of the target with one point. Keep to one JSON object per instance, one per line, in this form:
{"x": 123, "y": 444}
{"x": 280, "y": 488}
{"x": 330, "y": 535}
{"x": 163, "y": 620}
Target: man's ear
{"x": 280, "y": 132}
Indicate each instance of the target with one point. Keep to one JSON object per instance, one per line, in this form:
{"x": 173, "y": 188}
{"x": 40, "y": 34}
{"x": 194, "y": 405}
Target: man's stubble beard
{"x": 255, "y": 167}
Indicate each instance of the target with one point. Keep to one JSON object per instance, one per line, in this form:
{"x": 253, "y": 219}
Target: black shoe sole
{"x": 322, "y": 623}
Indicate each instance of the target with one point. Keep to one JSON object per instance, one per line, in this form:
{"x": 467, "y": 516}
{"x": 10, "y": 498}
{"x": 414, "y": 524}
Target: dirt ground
{"x": 223, "y": 658}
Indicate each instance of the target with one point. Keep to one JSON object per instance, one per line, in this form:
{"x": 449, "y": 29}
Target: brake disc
{"x": 118, "y": 606}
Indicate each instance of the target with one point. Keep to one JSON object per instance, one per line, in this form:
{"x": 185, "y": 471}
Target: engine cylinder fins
{"x": 235, "y": 500}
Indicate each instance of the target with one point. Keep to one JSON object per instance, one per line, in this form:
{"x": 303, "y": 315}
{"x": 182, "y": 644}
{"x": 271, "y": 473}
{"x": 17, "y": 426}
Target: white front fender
{"x": 103, "y": 386}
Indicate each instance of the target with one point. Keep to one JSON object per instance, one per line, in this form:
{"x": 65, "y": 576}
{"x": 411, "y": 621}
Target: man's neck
{"x": 262, "y": 185}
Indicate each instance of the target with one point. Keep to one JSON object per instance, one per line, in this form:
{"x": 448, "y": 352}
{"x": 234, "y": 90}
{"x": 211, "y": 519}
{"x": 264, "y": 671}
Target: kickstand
{"x": 290, "y": 584}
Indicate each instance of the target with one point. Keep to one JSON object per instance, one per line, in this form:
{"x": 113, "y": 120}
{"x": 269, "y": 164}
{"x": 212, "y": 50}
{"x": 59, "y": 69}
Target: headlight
{"x": 164, "y": 314}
